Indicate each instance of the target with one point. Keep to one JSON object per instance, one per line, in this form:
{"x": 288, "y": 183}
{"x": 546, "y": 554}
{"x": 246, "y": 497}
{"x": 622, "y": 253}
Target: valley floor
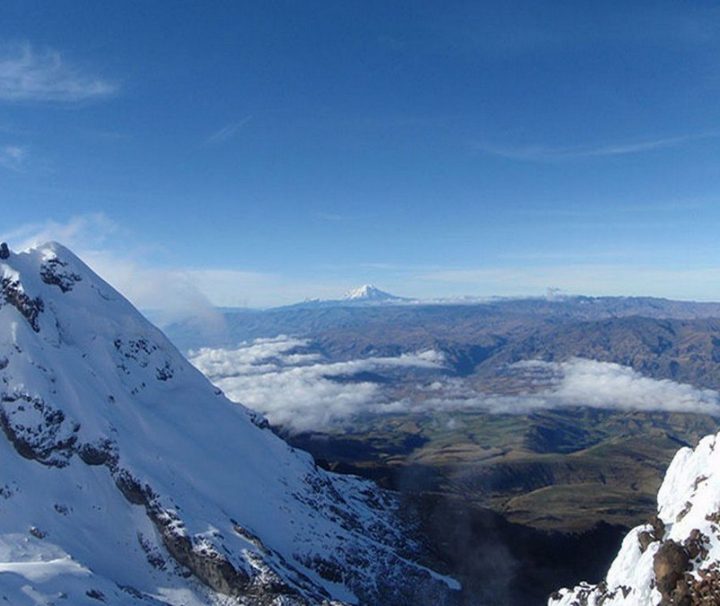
{"x": 520, "y": 505}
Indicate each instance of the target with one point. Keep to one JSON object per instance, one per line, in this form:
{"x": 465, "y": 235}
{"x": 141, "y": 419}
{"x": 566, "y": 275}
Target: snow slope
{"x": 127, "y": 478}
{"x": 675, "y": 558}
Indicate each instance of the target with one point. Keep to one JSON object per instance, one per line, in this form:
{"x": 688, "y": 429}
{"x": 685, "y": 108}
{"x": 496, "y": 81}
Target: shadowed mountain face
{"x": 687, "y": 351}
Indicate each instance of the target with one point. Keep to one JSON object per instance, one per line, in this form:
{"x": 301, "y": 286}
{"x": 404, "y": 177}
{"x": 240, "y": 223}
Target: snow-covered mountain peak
{"x": 128, "y": 478}
{"x": 368, "y": 292}
{"x": 674, "y": 559}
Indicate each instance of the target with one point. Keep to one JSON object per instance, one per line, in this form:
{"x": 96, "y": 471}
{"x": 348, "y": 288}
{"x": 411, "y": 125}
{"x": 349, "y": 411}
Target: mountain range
{"x": 666, "y": 339}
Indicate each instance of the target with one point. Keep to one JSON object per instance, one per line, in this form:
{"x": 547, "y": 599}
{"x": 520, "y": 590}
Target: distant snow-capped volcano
{"x": 128, "y": 479}
{"x": 368, "y": 292}
{"x": 365, "y": 295}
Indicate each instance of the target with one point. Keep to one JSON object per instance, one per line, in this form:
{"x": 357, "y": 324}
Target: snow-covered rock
{"x": 675, "y": 558}
{"x": 127, "y": 478}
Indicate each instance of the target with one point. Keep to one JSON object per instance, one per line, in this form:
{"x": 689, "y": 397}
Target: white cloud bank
{"x": 12, "y": 157}
{"x": 577, "y": 382}
{"x": 300, "y": 390}
{"x": 297, "y": 388}
{"x": 606, "y": 385}
{"x": 28, "y": 74}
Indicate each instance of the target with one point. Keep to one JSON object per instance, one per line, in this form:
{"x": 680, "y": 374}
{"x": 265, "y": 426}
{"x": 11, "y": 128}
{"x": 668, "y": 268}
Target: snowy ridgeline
{"x": 675, "y": 558}
{"x": 127, "y": 478}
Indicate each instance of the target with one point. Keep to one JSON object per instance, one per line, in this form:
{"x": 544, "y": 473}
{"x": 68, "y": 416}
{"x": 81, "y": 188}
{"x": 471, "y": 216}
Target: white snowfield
{"x": 127, "y": 478}
{"x": 673, "y": 561}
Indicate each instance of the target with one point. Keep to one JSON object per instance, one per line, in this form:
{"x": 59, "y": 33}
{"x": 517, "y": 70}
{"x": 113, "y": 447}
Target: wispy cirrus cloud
{"x": 12, "y": 157}
{"x": 543, "y": 153}
{"x": 227, "y": 132}
{"x": 31, "y": 75}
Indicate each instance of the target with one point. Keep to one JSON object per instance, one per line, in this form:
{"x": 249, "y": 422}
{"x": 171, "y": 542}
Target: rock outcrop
{"x": 674, "y": 560}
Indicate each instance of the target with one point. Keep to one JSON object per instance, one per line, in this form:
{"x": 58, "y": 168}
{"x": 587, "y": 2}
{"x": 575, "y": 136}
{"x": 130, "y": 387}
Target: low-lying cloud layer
{"x": 578, "y": 382}
{"x": 606, "y": 385}
{"x": 299, "y": 389}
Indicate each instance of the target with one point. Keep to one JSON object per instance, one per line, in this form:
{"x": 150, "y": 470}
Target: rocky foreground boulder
{"x": 674, "y": 559}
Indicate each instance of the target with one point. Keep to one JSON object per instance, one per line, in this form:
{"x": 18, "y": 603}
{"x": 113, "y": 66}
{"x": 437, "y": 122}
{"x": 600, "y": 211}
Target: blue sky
{"x": 263, "y": 152}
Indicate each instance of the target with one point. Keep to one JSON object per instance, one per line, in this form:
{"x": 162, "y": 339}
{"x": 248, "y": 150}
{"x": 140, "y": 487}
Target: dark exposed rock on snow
{"x": 674, "y": 560}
